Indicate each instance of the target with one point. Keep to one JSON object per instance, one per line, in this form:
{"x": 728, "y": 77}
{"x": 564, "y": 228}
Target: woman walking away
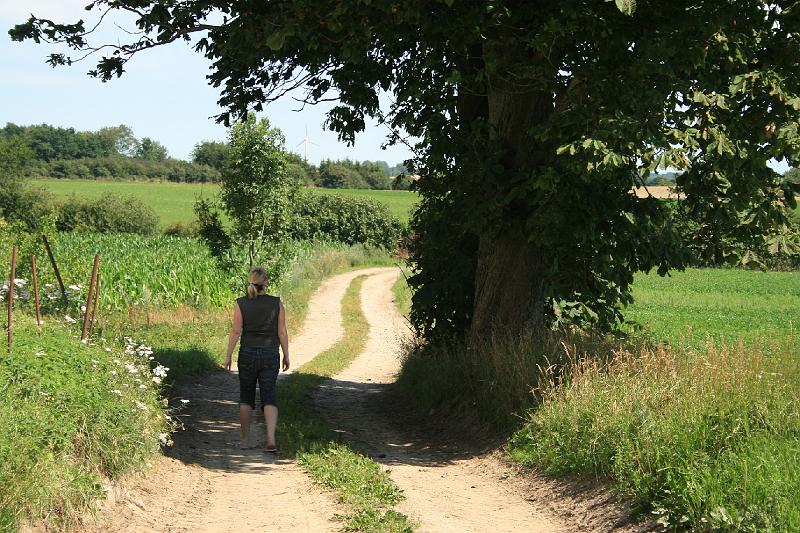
{"x": 259, "y": 319}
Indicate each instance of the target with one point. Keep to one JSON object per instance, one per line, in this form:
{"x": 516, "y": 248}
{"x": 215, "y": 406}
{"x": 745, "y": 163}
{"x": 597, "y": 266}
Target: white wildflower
{"x": 184, "y": 401}
{"x": 69, "y": 319}
{"x": 157, "y": 380}
{"x": 130, "y": 367}
{"x": 112, "y": 373}
{"x": 142, "y": 406}
{"x": 116, "y": 391}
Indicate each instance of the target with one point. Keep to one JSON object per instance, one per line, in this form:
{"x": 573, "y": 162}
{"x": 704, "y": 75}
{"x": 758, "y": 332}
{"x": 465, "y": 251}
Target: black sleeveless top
{"x": 259, "y": 321}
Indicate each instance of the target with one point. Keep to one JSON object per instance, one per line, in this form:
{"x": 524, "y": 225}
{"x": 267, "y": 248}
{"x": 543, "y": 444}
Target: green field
{"x": 174, "y": 202}
{"x": 689, "y": 307}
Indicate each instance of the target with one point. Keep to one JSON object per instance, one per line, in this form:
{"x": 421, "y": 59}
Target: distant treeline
{"x": 116, "y": 153}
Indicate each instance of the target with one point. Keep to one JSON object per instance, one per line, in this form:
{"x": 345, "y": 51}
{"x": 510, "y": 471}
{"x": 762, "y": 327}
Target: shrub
{"x": 32, "y": 206}
{"x": 108, "y": 214}
{"x": 183, "y": 229}
{"x": 345, "y": 220}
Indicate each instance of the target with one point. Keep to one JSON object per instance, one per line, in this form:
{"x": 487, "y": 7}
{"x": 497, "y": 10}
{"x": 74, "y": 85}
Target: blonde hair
{"x": 257, "y": 282}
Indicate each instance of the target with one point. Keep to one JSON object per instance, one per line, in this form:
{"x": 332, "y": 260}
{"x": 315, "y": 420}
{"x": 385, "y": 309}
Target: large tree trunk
{"x": 509, "y": 281}
{"x": 508, "y": 287}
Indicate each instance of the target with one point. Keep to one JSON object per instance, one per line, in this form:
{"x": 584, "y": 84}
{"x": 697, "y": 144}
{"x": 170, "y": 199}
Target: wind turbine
{"x": 305, "y": 142}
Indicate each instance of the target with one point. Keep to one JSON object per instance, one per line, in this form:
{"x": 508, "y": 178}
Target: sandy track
{"x": 443, "y": 493}
{"x": 206, "y": 483}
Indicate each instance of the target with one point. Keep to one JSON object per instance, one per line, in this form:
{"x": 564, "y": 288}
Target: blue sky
{"x": 163, "y": 95}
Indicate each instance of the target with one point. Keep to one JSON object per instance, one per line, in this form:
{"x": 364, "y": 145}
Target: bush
{"x": 107, "y": 214}
{"x": 181, "y": 229}
{"x": 32, "y": 206}
{"x": 345, "y": 220}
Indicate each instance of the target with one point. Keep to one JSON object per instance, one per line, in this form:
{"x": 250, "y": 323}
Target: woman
{"x": 259, "y": 319}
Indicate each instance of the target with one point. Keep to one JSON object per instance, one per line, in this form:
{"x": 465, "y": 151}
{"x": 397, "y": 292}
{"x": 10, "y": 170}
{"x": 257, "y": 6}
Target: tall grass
{"x": 492, "y": 383}
{"x": 136, "y": 271}
{"x": 706, "y": 441}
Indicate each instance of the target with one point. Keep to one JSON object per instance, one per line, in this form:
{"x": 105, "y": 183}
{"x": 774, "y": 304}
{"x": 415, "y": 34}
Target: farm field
{"x": 174, "y": 202}
{"x": 692, "y": 306}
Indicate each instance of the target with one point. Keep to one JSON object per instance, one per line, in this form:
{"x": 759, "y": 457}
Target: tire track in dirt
{"x": 205, "y": 483}
{"x": 443, "y": 492}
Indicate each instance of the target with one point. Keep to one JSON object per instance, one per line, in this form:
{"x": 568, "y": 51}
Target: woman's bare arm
{"x": 236, "y": 332}
{"x": 283, "y": 336}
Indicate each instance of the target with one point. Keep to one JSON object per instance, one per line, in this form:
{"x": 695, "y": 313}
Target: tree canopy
{"x": 534, "y": 125}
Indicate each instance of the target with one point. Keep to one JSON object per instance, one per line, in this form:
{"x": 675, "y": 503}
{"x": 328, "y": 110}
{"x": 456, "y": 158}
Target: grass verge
{"x": 359, "y": 483}
{"x": 71, "y": 416}
{"x": 401, "y": 293}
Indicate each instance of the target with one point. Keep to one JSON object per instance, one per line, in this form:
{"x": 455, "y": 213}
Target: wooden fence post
{"x": 55, "y": 269}
{"x": 36, "y": 294}
{"x": 89, "y": 296}
{"x": 94, "y": 307}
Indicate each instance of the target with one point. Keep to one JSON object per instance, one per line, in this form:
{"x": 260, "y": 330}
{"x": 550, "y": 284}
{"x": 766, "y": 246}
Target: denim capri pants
{"x": 258, "y": 365}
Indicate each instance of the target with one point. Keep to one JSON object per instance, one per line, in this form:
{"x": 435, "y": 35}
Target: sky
{"x": 163, "y": 94}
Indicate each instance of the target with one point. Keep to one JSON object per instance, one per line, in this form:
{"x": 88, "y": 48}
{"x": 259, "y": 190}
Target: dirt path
{"x": 442, "y": 493}
{"x": 206, "y": 483}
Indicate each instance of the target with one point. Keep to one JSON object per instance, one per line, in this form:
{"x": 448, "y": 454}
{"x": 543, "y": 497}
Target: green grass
{"x": 692, "y": 306}
{"x": 174, "y": 202}
{"x": 71, "y": 415}
{"x": 703, "y": 433}
{"x": 401, "y": 293}
{"x": 358, "y": 482}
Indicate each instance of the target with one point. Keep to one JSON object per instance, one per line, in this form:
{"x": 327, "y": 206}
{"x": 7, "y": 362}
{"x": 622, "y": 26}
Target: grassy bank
{"x": 174, "y": 202}
{"x": 359, "y": 483}
{"x": 706, "y": 440}
{"x": 71, "y": 416}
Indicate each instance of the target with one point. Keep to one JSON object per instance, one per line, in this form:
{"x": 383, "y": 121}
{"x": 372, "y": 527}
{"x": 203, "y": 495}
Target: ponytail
{"x": 252, "y": 292}
{"x": 257, "y": 282}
